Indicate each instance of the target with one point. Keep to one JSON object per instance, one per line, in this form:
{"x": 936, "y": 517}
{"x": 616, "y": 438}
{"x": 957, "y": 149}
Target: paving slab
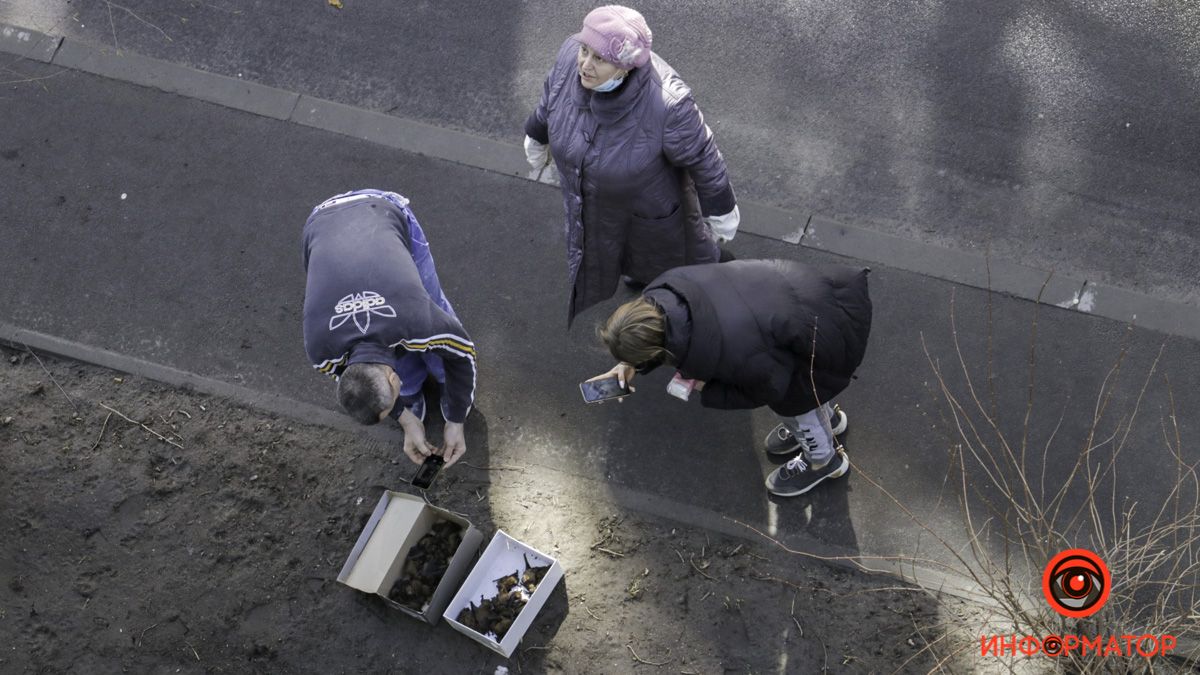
{"x": 27, "y": 43}
{"x": 1153, "y": 312}
{"x": 961, "y": 267}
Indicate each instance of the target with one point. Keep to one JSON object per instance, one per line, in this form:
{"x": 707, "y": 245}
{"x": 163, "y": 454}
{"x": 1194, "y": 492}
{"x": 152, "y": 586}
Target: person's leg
{"x": 820, "y": 457}
{"x": 786, "y": 438}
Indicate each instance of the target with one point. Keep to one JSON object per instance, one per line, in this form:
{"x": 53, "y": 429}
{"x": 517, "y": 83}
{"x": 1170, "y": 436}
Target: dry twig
{"x": 51, "y": 376}
{"x": 101, "y": 436}
{"x": 142, "y": 637}
{"x": 697, "y": 568}
{"x": 157, "y": 435}
{"x": 639, "y": 659}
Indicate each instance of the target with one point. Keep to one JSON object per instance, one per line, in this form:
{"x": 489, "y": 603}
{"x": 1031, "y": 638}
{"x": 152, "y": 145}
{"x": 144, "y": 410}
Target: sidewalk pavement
{"x": 166, "y": 230}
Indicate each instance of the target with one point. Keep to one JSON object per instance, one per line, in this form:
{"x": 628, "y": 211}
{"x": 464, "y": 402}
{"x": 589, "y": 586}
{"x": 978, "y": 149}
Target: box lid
{"x": 385, "y": 535}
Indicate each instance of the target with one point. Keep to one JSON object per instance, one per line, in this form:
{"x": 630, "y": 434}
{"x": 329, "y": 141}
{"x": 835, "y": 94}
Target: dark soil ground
{"x": 217, "y": 550}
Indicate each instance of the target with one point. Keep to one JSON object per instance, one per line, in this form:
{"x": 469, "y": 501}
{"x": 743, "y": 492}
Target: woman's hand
{"x": 538, "y": 156}
{"x": 724, "y": 228}
{"x": 624, "y": 373}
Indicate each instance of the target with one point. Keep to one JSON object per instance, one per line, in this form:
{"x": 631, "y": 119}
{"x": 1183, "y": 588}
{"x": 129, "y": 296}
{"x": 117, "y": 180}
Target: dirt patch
{"x": 149, "y": 529}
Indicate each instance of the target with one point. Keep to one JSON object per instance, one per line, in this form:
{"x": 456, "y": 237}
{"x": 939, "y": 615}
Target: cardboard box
{"x": 398, "y": 522}
{"x": 503, "y": 556}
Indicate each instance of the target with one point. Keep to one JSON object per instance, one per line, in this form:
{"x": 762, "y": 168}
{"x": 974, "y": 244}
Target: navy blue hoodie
{"x": 364, "y": 301}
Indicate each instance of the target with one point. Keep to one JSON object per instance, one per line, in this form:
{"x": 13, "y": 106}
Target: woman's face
{"x": 593, "y": 70}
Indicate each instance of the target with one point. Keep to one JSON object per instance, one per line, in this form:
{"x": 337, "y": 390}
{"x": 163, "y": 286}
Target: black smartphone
{"x": 595, "y": 391}
{"x": 429, "y": 468}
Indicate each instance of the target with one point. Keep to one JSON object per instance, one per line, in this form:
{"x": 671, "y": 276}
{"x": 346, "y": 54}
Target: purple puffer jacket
{"x": 639, "y": 169}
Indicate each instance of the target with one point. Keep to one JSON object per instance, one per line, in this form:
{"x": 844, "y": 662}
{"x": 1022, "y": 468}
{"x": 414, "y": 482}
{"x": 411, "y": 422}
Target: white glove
{"x": 725, "y": 227}
{"x": 538, "y": 156}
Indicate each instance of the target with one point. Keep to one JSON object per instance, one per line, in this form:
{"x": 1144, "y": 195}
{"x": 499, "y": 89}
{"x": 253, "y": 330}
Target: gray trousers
{"x": 815, "y": 431}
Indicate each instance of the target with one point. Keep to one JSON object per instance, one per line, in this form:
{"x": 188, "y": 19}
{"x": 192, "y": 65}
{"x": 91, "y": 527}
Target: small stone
{"x": 14, "y": 360}
{"x": 6, "y": 421}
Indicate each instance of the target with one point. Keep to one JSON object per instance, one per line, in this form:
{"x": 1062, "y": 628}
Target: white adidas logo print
{"x": 360, "y": 307}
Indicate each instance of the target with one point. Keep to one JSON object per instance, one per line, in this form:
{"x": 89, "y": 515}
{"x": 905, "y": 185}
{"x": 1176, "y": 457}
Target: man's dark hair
{"x": 364, "y": 391}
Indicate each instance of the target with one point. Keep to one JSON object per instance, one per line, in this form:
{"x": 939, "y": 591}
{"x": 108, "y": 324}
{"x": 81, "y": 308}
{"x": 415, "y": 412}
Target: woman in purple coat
{"x": 644, "y": 186}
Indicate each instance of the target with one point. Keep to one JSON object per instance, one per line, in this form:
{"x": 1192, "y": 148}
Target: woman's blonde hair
{"x": 636, "y": 333}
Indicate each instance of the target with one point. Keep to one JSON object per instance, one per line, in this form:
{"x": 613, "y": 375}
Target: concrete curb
{"x": 230, "y": 92}
{"x": 958, "y": 266}
{"x": 623, "y": 497}
{"x": 410, "y": 136}
{"x": 808, "y": 230}
{"x": 28, "y": 44}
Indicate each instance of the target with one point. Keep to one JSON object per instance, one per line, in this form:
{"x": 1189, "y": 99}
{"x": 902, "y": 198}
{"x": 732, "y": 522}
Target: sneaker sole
{"x": 845, "y": 421}
{"x": 836, "y": 473}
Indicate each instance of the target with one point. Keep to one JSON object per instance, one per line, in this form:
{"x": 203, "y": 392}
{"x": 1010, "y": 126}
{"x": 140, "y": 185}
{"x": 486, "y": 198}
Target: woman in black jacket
{"x": 751, "y": 333}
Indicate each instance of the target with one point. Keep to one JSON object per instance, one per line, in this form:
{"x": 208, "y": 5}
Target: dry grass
{"x": 1020, "y": 517}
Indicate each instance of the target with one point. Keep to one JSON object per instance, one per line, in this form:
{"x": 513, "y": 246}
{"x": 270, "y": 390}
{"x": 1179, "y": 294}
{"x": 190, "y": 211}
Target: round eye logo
{"x": 1076, "y": 583}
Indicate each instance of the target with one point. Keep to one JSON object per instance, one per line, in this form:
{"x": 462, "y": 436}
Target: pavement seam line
{"x": 291, "y": 116}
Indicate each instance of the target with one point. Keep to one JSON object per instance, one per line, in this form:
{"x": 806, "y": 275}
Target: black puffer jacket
{"x": 748, "y": 329}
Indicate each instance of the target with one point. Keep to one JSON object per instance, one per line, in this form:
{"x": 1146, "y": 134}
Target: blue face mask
{"x": 610, "y": 85}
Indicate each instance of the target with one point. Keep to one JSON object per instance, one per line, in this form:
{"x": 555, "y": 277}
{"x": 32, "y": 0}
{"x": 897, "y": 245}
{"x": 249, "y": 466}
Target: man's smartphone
{"x": 429, "y": 468}
{"x": 595, "y": 391}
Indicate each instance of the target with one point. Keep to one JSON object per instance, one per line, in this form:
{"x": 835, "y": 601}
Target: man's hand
{"x": 415, "y": 445}
{"x": 624, "y": 373}
{"x": 455, "y": 442}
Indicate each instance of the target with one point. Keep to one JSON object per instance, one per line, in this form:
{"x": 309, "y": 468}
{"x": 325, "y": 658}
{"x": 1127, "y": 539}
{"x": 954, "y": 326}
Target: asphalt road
{"x": 168, "y": 229}
{"x": 1060, "y": 135}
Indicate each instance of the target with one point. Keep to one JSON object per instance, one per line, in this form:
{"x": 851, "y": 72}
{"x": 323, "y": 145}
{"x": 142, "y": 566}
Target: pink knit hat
{"x": 618, "y": 35}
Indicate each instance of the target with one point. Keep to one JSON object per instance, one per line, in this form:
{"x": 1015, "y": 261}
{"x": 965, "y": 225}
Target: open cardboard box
{"x": 398, "y": 522}
{"x": 504, "y": 555}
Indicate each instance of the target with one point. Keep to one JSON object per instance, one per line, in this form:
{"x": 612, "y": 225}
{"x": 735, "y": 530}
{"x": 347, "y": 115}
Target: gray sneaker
{"x": 797, "y": 476}
{"x": 781, "y": 441}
